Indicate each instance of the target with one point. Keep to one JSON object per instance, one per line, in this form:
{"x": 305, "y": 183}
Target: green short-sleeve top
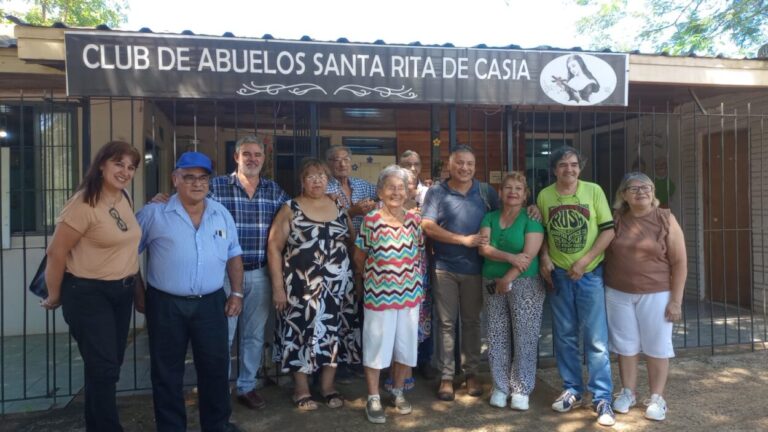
{"x": 510, "y": 239}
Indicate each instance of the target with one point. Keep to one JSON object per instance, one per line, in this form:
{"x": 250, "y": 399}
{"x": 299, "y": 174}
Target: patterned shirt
{"x": 361, "y": 190}
{"x": 393, "y": 278}
{"x": 253, "y": 216}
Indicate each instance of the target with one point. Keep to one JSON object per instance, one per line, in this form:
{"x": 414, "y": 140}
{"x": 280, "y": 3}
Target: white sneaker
{"x": 519, "y": 402}
{"x": 566, "y": 401}
{"x": 605, "y": 415}
{"x": 657, "y": 408}
{"x": 498, "y": 399}
{"x": 624, "y": 401}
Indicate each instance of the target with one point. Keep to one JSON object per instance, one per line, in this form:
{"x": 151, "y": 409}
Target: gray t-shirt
{"x": 459, "y": 214}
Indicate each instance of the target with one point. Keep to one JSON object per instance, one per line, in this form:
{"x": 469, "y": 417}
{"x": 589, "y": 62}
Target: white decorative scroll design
{"x": 273, "y": 89}
{"x": 362, "y": 91}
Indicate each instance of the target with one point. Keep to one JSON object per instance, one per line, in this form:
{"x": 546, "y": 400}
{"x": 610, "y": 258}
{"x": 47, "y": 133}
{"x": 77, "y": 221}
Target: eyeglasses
{"x": 316, "y": 177}
{"x": 192, "y": 179}
{"x": 400, "y": 189}
{"x": 118, "y": 220}
{"x": 639, "y": 189}
{"x": 345, "y": 160}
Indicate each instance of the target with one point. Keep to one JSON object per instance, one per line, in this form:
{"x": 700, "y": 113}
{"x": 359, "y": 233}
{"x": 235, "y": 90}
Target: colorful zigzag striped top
{"x": 393, "y": 261}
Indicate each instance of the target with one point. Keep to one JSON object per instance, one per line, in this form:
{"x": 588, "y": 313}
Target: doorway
{"x": 727, "y": 230}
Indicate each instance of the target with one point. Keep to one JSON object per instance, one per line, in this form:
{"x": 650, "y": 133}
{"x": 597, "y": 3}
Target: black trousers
{"x": 173, "y": 322}
{"x": 99, "y": 314}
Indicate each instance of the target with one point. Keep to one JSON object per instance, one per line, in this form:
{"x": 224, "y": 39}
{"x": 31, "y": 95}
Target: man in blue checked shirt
{"x": 253, "y": 202}
{"x": 355, "y": 194}
{"x": 192, "y": 241}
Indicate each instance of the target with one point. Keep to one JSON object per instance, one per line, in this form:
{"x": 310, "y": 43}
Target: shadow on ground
{"x": 704, "y": 393}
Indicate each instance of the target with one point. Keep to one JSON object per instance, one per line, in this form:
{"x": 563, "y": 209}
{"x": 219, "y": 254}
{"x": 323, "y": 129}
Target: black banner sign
{"x": 130, "y": 64}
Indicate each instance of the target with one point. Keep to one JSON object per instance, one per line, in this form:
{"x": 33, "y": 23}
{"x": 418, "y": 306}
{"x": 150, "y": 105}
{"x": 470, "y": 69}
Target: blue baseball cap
{"x": 194, "y": 160}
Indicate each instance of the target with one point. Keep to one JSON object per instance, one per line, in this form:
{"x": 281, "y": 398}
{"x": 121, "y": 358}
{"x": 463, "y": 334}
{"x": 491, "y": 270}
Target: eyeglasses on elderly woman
{"x": 639, "y": 189}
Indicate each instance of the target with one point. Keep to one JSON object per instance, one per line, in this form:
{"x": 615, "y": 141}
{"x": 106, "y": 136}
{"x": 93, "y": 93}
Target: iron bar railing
{"x": 693, "y": 155}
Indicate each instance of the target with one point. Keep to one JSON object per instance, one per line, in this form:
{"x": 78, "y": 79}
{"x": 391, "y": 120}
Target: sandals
{"x": 334, "y": 400}
{"x": 305, "y": 403}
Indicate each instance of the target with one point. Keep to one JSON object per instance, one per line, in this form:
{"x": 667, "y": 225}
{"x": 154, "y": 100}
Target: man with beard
{"x": 253, "y": 202}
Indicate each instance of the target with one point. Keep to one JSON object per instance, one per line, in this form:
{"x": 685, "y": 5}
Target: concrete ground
{"x": 705, "y": 393}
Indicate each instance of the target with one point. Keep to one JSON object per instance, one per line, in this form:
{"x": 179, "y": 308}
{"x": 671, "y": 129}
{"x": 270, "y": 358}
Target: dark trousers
{"x": 173, "y": 322}
{"x": 98, "y": 314}
{"x": 425, "y": 350}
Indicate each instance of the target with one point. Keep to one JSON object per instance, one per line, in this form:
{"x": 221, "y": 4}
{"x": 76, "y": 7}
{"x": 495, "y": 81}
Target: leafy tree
{"x": 85, "y": 13}
{"x": 708, "y": 27}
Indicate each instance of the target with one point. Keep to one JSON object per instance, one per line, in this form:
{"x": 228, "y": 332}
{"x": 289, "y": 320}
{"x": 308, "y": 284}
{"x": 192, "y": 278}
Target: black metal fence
{"x": 708, "y": 162}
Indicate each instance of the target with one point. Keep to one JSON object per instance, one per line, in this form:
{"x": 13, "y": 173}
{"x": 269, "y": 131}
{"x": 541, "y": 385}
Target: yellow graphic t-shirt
{"x": 573, "y": 222}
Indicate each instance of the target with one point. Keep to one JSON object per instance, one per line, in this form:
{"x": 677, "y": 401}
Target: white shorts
{"x": 390, "y": 333}
{"x": 636, "y": 323}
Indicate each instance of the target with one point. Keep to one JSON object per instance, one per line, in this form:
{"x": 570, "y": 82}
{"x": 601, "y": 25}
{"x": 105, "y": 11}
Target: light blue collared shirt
{"x": 183, "y": 260}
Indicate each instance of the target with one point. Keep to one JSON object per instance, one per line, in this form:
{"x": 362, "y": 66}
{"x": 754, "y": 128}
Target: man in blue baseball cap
{"x": 193, "y": 242}
{"x": 194, "y": 159}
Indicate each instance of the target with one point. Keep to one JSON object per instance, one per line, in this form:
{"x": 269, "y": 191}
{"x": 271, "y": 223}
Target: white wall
{"x": 21, "y": 312}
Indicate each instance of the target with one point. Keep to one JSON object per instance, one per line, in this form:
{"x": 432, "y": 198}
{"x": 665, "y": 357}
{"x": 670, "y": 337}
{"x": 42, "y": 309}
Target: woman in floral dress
{"x": 312, "y": 288}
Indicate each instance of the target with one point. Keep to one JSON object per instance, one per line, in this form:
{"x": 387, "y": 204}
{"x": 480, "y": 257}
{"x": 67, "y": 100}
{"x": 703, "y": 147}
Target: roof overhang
{"x": 45, "y": 46}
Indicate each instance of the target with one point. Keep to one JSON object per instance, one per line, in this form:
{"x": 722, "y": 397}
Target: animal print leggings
{"x": 519, "y": 309}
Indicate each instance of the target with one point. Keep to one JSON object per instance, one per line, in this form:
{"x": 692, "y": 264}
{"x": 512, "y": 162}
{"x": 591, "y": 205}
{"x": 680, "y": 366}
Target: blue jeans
{"x": 257, "y": 310}
{"x": 581, "y": 305}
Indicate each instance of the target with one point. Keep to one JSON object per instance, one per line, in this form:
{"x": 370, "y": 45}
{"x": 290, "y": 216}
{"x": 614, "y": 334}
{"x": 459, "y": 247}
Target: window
{"x": 41, "y": 140}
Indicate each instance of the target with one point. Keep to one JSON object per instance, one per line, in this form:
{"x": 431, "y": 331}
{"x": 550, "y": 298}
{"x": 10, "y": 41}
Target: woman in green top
{"x": 515, "y": 294}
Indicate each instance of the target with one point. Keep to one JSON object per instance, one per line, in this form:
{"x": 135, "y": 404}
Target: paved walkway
{"x": 705, "y": 393}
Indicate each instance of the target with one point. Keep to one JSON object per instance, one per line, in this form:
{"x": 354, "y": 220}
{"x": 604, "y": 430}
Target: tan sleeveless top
{"x": 637, "y": 261}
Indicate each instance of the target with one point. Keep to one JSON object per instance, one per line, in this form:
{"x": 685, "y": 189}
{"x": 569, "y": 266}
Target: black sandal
{"x": 334, "y": 400}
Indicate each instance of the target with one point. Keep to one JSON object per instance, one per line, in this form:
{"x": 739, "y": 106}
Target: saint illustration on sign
{"x": 580, "y": 84}
{"x": 578, "y": 79}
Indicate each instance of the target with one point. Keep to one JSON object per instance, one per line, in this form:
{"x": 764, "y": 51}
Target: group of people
{"x": 354, "y": 273}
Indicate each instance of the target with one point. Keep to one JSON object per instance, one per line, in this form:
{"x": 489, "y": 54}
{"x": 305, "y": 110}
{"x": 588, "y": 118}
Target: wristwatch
{"x": 236, "y": 294}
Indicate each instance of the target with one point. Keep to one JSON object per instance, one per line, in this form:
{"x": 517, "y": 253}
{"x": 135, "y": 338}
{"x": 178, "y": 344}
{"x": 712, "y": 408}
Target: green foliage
{"x": 84, "y": 13}
{"x": 705, "y": 27}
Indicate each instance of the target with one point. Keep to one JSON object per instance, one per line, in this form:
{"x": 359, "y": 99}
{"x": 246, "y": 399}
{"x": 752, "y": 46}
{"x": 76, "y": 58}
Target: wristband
{"x": 236, "y": 294}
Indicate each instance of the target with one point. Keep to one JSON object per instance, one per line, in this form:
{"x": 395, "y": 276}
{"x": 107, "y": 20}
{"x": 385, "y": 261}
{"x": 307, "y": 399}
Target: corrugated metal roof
{"x": 7, "y": 41}
{"x": 343, "y": 40}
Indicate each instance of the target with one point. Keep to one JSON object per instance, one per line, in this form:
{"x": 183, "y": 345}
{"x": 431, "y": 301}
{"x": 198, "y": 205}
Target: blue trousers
{"x": 580, "y": 305}
{"x": 173, "y": 322}
{"x": 257, "y": 310}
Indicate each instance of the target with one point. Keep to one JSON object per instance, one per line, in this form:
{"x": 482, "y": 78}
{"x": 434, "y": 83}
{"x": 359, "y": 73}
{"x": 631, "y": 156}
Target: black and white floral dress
{"x": 319, "y": 326}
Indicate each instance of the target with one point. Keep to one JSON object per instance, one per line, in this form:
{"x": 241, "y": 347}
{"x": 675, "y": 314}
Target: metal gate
{"x": 708, "y": 163}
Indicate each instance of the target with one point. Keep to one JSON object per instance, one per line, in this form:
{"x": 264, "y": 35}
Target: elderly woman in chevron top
{"x": 388, "y": 263}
